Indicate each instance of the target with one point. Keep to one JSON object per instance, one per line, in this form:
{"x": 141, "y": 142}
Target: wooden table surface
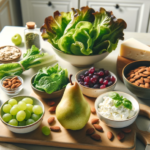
{"x": 108, "y": 63}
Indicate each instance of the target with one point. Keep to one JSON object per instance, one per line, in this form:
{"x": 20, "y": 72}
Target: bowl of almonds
{"x": 11, "y": 85}
{"x": 136, "y": 77}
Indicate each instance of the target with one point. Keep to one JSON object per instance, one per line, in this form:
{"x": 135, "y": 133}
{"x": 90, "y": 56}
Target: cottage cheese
{"x": 108, "y": 110}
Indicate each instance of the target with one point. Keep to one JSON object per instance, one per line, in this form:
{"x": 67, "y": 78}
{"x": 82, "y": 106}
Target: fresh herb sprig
{"x": 120, "y": 100}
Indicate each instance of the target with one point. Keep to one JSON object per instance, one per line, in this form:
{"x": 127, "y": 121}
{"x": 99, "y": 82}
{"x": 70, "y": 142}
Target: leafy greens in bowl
{"x": 51, "y": 79}
{"x": 83, "y": 32}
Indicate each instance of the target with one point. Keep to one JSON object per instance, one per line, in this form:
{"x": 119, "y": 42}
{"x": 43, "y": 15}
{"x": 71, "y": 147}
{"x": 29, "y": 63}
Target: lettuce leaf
{"x": 84, "y": 31}
{"x": 51, "y": 79}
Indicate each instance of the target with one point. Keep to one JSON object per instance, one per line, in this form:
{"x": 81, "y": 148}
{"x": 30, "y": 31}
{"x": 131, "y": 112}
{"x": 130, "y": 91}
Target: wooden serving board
{"x": 121, "y": 63}
{"x": 76, "y": 139}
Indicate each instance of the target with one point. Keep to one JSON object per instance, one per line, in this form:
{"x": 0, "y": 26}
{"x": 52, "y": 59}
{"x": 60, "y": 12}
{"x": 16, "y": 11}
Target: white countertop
{"x": 108, "y": 63}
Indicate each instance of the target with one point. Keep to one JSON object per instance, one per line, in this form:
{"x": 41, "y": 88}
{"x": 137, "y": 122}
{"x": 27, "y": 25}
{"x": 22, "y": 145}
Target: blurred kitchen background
{"x": 17, "y": 12}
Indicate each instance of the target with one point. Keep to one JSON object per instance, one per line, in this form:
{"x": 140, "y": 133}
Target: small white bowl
{"x": 28, "y": 128}
{"x": 117, "y": 123}
{"x": 91, "y": 92}
{"x": 79, "y": 60}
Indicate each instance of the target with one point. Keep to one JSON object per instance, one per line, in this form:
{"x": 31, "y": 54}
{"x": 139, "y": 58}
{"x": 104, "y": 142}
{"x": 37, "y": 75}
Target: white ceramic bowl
{"x": 78, "y": 60}
{"x": 116, "y": 123}
{"x": 28, "y": 128}
{"x": 91, "y": 92}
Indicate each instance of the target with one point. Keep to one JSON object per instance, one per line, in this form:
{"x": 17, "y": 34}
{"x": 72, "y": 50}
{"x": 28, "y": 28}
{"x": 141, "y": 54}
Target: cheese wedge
{"x": 135, "y": 50}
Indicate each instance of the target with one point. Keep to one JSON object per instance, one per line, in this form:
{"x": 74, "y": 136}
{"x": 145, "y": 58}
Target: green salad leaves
{"x": 51, "y": 79}
{"x": 120, "y": 100}
{"x": 83, "y": 32}
{"x": 32, "y": 58}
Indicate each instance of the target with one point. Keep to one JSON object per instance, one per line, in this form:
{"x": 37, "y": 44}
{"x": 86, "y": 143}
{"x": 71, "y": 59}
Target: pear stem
{"x": 70, "y": 79}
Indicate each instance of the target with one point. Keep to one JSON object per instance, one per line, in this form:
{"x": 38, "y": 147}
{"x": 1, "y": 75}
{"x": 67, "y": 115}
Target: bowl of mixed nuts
{"x": 11, "y": 85}
{"x": 136, "y": 77}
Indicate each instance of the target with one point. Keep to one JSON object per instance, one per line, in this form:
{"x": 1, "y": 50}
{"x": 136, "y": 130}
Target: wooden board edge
{"x": 64, "y": 145}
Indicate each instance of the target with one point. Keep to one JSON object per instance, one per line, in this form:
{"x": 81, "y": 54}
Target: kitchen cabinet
{"x": 10, "y": 13}
{"x": 38, "y": 10}
{"x": 134, "y": 12}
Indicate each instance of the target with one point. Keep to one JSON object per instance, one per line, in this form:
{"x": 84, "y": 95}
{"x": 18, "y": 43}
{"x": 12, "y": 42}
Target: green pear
{"x": 73, "y": 111}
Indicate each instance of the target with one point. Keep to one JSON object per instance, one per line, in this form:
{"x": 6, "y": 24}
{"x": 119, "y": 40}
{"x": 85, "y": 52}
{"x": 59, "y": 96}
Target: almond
{"x": 18, "y": 81}
{"x": 14, "y": 78}
{"x": 120, "y": 136}
{"x": 94, "y": 120}
{"x": 98, "y": 127}
{"x": 7, "y": 79}
{"x": 148, "y": 69}
{"x": 50, "y": 120}
{"x": 51, "y": 103}
{"x": 142, "y": 75}
{"x": 55, "y": 128}
{"x": 9, "y": 83}
{"x": 148, "y": 77}
{"x": 7, "y": 86}
{"x": 126, "y": 130}
{"x": 93, "y": 111}
{"x": 132, "y": 80}
{"x": 52, "y": 109}
{"x": 146, "y": 72}
{"x": 14, "y": 81}
{"x": 142, "y": 85}
{"x": 146, "y": 85}
{"x": 132, "y": 75}
{"x": 136, "y": 77}
{"x": 109, "y": 135}
{"x": 146, "y": 80}
{"x": 13, "y": 86}
{"x": 5, "y": 82}
{"x": 95, "y": 137}
{"x": 141, "y": 70}
{"x": 90, "y": 131}
{"x": 18, "y": 84}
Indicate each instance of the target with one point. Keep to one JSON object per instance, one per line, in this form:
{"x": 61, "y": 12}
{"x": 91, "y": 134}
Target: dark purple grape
{"x": 105, "y": 82}
{"x": 96, "y": 76}
{"x": 109, "y": 83}
{"x": 102, "y": 86}
{"x": 87, "y": 79}
{"x": 80, "y": 80}
{"x": 90, "y": 75}
{"x": 112, "y": 78}
{"x": 106, "y": 72}
{"x": 82, "y": 83}
{"x": 107, "y": 78}
{"x": 86, "y": 83}
{"x": 86, "y": 73}
{"x": 93, "y": 80}
{"x": 82, "y": 77}
{"x": 101, "y": 80}
{"x": 91, "y": 84}
{"x": 96, "y": 86}
{"x": 91, "y": 70}
{"x": 101, "y": 73}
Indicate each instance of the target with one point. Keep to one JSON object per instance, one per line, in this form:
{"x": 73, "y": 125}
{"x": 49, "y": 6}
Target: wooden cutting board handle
{"x": 144, "y": 110}
{"x": 143, "y": 136}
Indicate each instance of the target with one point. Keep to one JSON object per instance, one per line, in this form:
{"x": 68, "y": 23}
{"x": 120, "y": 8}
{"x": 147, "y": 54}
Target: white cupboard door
{"x": 38, "y": 10}
{"x": 5, "y": 18}
{"x": 134, "y": 12}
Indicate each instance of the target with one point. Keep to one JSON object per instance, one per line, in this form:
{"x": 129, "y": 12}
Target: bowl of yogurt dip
{"x": 117, "y": 109}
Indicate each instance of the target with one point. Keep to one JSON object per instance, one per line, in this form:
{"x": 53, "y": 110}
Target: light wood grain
{"x": 68, "y": 138}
